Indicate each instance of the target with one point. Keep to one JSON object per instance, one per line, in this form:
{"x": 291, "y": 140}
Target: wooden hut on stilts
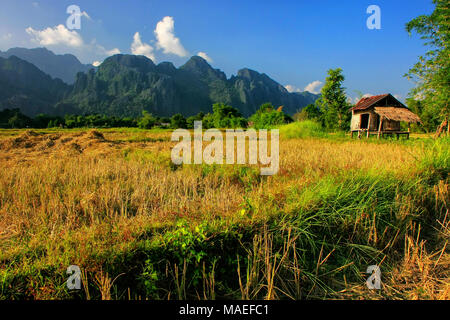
{"x": 381, "y": 115}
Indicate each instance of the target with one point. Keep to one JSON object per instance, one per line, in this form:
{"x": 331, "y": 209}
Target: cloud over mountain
{"x": 55, "y": 36}
{"x": 140, "y": 48}
{"x": 314, "y": 87}
{"x": 205, "y": 56}
{"x": 166, "y": 39}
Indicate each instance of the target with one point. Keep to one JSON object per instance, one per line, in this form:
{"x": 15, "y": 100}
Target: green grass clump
{"x": 434, "y": 161}
{"x": 302, "y": 129}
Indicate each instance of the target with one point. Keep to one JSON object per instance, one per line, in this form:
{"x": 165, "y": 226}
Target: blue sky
{"x": 294, "y": 42}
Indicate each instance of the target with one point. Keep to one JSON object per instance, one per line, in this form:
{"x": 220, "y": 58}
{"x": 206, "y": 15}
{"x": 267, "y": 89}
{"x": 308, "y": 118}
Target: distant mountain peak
{"x": 130, "y": 60}
{"x": 248, "y": 73}
{"x": 64, "y": 67}
{"x": 201, "y": 67}
{"x": 196, "y": 63}
{"x": 116, "y": 63}
{"x": 166, "y": 67}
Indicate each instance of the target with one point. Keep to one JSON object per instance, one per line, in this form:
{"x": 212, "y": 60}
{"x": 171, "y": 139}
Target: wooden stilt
{"x": 380, "y": 126}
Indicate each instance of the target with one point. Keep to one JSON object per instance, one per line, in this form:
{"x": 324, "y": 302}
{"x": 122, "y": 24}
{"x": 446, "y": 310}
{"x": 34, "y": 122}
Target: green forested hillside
{"x": 24, "y": 86}
{"x": 126, "y": 85}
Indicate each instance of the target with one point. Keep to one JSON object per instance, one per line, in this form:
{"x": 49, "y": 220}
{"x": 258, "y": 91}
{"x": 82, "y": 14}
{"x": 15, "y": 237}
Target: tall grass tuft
{"x": 434, "y": 159}
{"x": 302, "y": 129}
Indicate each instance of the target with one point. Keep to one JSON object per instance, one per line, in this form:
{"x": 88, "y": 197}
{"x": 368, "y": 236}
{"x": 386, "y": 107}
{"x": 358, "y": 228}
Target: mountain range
{"x": 125, "y": 85}
{"x": 64, "y": 67}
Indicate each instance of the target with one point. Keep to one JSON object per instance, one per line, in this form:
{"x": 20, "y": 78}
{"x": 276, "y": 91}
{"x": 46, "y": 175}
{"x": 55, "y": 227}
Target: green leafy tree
{"x": 178, "y": 121}
{"x": 147, "y": 121}
{"x": 208, "y": 121}
{"x": 18, "y": 120}
{"x": 310, "y": 112}
{"x": 225, "y": 116}
{"x": 267, "y": 117}
{"x": 432, "y": 72}
{"x": 430, "y": 118}
{"x": 333, "y": 102}
{"x": 190, "y": 120}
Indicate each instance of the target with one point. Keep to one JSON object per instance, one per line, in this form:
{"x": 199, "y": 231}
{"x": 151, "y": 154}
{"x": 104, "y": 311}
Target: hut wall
{"x": 373, "y": 121}
{"x": 356, "y": 119}
{"x": 391, "y": 125}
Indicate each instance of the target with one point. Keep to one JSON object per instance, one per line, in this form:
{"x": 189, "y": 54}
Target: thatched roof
{"x": 397, "y": 114}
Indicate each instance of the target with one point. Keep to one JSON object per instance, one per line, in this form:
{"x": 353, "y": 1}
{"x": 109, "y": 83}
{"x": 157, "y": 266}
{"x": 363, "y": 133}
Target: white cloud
{"x": 140, "y": 48}
{"x": 101, "y": 50}
{"x": 292, "y": 88}
{"x": 205, "y": 56}
{"x": 96, "y": 63}
{"x": 62, "y": 40}
{"x": 56, "y": 36}
{"x": 166, "y": 38}
{"x": 85, "y": 14}
{"x": 314, "y": 87}
{"x": 112, "y": 52}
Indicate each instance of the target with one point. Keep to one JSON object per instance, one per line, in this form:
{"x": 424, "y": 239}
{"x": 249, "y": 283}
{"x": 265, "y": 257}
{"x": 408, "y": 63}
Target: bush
{"x": 302, "y": 129}
{"x": 147, "y": 121}
{"x": 225, "y": 116}
{"x": 267, "y": 117}
{"x": 178, "y": 121}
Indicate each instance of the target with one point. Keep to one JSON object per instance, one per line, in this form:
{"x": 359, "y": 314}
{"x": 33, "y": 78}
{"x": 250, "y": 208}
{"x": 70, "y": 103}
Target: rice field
{"x": 139, "y": 227}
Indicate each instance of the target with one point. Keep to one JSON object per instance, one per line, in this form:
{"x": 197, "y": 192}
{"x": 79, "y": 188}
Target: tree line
{"x": 222, "y": 116}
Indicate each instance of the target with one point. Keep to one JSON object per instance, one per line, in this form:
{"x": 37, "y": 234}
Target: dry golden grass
{"x": 81, "y": 193}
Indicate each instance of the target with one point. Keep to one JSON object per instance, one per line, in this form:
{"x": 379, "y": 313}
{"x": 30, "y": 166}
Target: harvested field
{"x": 113, "y": 203}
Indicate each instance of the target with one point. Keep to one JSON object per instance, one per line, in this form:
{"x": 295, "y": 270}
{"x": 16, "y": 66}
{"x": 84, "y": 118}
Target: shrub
{"x": 303, "y": 129}
{"x": 147, "y": 121}
{"x": 267, "y": 117}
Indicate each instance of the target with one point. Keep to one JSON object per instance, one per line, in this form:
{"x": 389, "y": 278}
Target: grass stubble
{"x": 112, "y": 202}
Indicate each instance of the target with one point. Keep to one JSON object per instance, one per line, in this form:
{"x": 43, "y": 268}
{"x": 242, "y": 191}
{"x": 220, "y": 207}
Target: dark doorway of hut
{"x": 365, "y": 121}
